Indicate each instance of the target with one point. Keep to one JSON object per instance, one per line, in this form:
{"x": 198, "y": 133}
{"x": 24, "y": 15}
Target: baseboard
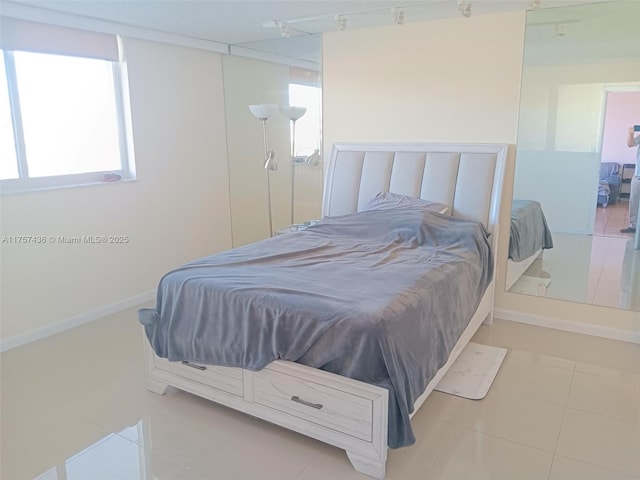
{"x": 75, "y": 321}
{"x": 501, "y": 313}
{"x": 584, "y": 328}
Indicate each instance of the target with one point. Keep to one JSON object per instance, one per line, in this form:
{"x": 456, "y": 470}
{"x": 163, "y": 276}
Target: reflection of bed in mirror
{"x": 328, "y": 400}
{"x": 609, "y": 184}
{"x": 529, "y": 236}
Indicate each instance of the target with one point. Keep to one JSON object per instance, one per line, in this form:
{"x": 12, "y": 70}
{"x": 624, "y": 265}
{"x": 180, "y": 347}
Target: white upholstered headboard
{"x": 466, "y": 177}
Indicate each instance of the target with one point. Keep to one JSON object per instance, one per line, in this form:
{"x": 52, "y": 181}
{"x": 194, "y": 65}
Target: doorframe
{"x": 626, "y": 87}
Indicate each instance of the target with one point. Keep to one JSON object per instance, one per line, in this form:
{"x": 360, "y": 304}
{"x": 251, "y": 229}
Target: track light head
{"x": 465, "y": 9}
{"x": 285, "y": 32}
{"x": 534, "y": 4}
{"x": 270, "y": 163}
{"x": 341, "y": 22}
{"x": 398, "y": 15}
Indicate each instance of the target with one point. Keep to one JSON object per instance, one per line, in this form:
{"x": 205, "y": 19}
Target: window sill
{"x": 21, "y": 186}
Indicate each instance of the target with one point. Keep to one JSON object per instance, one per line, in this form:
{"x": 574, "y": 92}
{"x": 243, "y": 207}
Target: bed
{"x": 609, "y": 183}
{"x": 345, "y": 380}
{"x": 529, "y": 235}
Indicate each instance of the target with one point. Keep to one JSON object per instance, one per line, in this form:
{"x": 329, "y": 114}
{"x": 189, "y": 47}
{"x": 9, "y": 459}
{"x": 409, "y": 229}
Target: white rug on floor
{"x": 473, "y": 372}
{"x": 531, "y": 286}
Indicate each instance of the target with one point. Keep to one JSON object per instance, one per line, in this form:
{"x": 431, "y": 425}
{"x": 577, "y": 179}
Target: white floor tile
{"x": 28, "y": 453}
{"x": 601, "y": 441}
{"x": 619, "y": 374}
{"x": 511, "y": 417}
{"x": 331, "y": 463}
{"x": 610, "y": 397}
{"x": 569, "y": 469}
{"x": 188, "y": 474}
{"x": 117, "y": 458}
{"x": 476, "y": 456}
{"x": 535, "y": 378}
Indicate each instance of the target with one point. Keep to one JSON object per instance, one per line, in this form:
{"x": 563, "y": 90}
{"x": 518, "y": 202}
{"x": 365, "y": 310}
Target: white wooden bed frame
{"x": 349, "y": 414}
{"x": 516, "y": 269}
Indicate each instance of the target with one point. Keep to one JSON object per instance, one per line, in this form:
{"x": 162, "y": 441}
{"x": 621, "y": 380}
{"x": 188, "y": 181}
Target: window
{"x": 308, "y": 127}
{"x": 8, "y": 154}
{"x": 305, "y": 91}
{"x": 61, "y": 114}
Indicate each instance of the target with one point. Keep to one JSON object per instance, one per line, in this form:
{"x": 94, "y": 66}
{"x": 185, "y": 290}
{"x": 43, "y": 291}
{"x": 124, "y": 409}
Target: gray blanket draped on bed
{"x": 529, "y": 230}
{"x": 378, "y": 296}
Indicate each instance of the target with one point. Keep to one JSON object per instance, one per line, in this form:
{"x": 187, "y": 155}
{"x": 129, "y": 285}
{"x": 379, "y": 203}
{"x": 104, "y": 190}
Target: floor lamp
{"x": 263, "y": 112}
{"x": 293, "y": 114}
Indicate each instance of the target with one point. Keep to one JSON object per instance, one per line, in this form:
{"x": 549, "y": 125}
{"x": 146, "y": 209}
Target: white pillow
{"x": 388, "y": 200}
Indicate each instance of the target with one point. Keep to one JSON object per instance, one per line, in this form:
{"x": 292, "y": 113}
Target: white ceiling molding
{"x": 268, "y": 57}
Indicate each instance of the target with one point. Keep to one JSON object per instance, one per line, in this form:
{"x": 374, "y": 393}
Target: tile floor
{"x": 611, "y": 219}
{"x": 74, "y": 407}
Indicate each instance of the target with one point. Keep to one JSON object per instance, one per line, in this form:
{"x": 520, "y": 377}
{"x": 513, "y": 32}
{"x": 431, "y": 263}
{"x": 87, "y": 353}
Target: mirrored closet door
{"x": 580, "y": 94}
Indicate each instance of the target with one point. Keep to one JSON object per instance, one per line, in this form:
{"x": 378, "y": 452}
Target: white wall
{"x": 447, "y": 80}
{"x": 177, "y": 210}
{"x": 565, "y": 184}
{"x": 622, "y": 111}
{"x": 450, "y": 80}
{"x": 564, "y": 104}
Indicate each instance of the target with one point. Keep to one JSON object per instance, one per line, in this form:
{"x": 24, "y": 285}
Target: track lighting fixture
{"x": 464, "y": 8}
{"x": 285, "y": 32}
{"x": 300, "y": 26}
{"x": 560, "y": 30}
{"x": 398, "y": 16}
{"x": 534, "y": 4}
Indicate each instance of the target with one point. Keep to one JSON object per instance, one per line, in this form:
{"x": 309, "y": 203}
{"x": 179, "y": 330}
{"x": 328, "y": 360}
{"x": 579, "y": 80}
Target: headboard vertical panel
{"x": 474, "y": 186}
{"x": 439, "y": 179}
{"x": 341, "y": 193}
{"x": 406, "y": 177}
{"x": 376, "y": 175}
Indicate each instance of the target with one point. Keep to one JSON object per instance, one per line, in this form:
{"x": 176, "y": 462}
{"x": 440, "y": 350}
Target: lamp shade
{"x": 263, "y": 111}
{"x": 313, "y": 159}
{"x": 292, "y": 113}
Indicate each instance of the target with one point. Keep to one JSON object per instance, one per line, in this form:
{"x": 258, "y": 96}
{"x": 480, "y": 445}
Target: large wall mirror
{"x": 284, "y": 71}
{"x": 580, "y": 94}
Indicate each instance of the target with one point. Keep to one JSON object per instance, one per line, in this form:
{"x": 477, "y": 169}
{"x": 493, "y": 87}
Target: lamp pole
{"x": 293, "y": 114}
{"x": 264, "y": 112}
{"x": 293, "y": 166}
{"x": 267, "y": 166}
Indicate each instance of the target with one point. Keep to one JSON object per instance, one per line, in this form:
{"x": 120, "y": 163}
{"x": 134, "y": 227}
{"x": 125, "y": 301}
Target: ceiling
{"x": 256, "y": 24}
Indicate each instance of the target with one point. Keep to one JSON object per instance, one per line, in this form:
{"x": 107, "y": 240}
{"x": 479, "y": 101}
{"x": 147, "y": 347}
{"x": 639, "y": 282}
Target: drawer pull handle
{"x": 296, "y": 398}
{"x": 193, "y": 365}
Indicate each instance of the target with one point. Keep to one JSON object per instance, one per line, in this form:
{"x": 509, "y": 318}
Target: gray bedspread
{"x": 378, "y": 296}
{"x": 529, "y": 230}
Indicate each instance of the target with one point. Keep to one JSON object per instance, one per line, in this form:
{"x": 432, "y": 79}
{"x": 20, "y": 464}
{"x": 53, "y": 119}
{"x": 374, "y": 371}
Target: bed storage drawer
{"x": 227, "y": 379}
{"x": 329, "y": 407}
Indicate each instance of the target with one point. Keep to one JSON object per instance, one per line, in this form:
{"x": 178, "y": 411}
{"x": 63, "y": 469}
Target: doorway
{"x": 618, "y": 161}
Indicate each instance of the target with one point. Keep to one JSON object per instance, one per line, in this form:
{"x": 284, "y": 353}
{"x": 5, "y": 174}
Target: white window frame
{"x": 24, "y": 183}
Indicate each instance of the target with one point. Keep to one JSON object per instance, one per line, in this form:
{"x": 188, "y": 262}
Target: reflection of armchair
{"x": 609, "y": 185}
